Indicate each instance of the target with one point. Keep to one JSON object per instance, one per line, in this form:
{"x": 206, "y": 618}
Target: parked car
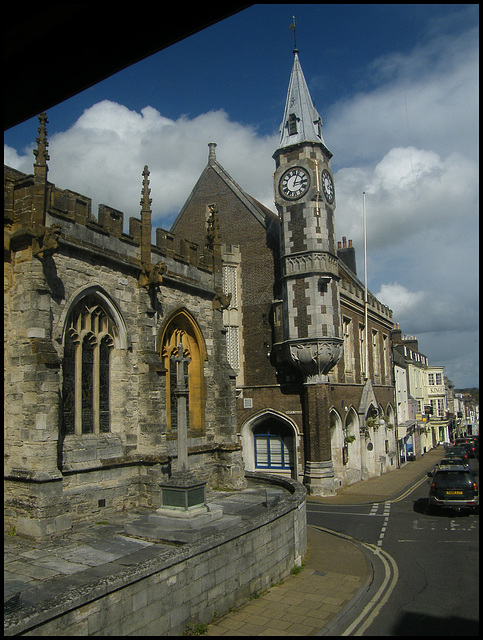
{"x": 476, "y": 442}
{"x": 453, "y": 488}
{"x": 452, "y": 462}
{"x": 457, "y": 452}
{"x": 468, "y": 443}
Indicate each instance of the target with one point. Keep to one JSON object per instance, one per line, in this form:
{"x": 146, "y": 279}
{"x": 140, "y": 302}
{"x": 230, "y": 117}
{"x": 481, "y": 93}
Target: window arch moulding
{"x": 60, "y": 329}
{"x": 181, "y": 328}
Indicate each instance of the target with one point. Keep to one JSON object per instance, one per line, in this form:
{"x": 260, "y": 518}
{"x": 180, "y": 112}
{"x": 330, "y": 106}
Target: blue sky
{"x": 397, "y": 89}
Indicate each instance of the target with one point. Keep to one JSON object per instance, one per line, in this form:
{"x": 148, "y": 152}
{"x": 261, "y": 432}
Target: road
{"x": 427, "y": 565}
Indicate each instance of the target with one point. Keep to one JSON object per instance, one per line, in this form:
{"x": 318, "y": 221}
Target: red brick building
{"x": 315, "y": 391}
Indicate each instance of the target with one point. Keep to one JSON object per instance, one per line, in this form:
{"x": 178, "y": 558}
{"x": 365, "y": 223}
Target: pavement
{"x": 337, "y": 572}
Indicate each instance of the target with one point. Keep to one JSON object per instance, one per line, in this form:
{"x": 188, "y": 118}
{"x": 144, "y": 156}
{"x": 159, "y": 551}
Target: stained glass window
{"x": 104, "y": 355}
{"x": 68, "y": 424}
{"x": 86, "y": 368}
{"x": 87, "y": 386}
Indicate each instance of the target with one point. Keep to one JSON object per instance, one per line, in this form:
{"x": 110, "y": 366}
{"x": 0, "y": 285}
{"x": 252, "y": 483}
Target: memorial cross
{"x": 181, "y": 392}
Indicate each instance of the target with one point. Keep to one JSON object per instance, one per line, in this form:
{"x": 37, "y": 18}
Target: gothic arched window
{"x": 86, "y": 368}
{"x": 182, "y": 329}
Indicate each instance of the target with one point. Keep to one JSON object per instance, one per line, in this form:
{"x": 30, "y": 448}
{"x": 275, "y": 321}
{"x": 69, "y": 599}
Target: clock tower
{"x": 312, "y": 342}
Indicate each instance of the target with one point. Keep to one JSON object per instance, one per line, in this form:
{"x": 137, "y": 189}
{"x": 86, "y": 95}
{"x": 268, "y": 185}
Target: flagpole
{"x": 366, "y": 328}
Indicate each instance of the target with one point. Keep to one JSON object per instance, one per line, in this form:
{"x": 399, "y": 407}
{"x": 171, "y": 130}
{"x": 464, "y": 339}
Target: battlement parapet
{"x": 76, "y": 209}
{"x": 352, "y": 291}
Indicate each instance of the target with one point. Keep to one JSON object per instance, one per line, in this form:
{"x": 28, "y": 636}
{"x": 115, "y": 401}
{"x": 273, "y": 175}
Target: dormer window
{"x": 318, "y": 127}
{"x": 292, "y": 124}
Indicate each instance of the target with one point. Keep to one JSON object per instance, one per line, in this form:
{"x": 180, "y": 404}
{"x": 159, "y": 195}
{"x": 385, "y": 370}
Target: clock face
{"x": 294, "y": 183}
{"x": 328, "y": 186}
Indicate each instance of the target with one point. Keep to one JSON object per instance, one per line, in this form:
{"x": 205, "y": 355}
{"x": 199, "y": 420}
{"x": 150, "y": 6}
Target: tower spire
{"x": 301, "y": 121}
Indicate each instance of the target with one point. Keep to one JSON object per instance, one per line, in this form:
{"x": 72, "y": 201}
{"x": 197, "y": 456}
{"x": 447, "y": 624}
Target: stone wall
{"x": 187, "y": 585}
{"x": 53, "y": 477}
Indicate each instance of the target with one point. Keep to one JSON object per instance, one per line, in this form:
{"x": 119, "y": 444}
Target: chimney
{"x": 212, "y": 153}
{"x": 396, "y": 335}
{"x": 347, "y": 254}
{"x": 411, "y": 342}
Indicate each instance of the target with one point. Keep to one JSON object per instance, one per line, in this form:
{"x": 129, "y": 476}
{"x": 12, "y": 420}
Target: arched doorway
{"x": 270, "y": 444}
{"x": 337, "y": 445}
{"x": 352, "y": 439}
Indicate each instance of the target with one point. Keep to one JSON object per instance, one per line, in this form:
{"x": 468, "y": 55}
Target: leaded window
{"x": 86, "y": 368}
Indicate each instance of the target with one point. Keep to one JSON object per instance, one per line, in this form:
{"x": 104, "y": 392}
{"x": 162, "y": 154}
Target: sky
{"x": 397, "y": 88}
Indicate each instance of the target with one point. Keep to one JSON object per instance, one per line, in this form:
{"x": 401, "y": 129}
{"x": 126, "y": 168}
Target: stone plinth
{"x": 182, "y": 494}
{"x": 183, "y": 515}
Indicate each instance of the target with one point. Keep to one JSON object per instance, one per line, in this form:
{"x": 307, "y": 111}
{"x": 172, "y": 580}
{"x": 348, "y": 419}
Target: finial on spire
{"x": 145, "y": 191}
{"x": 41, "y": 154}
{"x": 292, "y": 27}
{"x": 145, "y": 219}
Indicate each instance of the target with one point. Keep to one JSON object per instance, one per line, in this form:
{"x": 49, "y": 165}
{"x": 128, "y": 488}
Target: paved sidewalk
{"x": 303, "y": 603}
{"x": 388, "y": 486}
{"x": 336, "y": 572}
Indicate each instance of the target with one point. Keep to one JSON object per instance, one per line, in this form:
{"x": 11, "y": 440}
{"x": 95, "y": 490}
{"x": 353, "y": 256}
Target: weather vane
{"x": 292, "y": 26}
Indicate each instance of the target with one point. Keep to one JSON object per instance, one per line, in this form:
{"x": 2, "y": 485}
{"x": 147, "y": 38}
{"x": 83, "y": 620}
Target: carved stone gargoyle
{"x": 221, "y": 300}
{"x": 46, "y": 241}
{"x": 151, "y": 275}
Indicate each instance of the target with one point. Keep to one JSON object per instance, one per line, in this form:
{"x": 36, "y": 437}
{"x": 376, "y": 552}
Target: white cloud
{"x": 402, "y": 301}
{"x": 103, "y": 155}
{"x": 411, "y": 145}
{"x": 13, "y": 159}
{"x": 409, "y": 191}
{"x": 427, "y": 99}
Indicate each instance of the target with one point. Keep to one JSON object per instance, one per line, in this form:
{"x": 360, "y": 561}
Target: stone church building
{"x": 94, "y": 321}
{"x": 290, "y": 369}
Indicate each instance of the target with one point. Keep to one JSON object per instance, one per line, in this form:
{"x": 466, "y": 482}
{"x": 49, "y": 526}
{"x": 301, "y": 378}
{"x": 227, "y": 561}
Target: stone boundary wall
{"x": 186, "y": 585}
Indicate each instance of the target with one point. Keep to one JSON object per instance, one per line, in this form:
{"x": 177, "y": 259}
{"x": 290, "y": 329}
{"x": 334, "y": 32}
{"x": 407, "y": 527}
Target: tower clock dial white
{"x": 294, "y": 183}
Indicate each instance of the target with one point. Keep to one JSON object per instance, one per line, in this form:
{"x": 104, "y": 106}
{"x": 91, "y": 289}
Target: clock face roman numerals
{"x": 294, "y": 183}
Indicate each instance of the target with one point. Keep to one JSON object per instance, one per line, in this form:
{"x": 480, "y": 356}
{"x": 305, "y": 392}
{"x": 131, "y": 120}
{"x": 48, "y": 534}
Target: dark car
{"x": 453, "y": 488}
{"x": 452, "y": 462}
{"x": 468, "y": 443}
{"x": 476, "y": 441}
{"x": 457, "y": 452}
